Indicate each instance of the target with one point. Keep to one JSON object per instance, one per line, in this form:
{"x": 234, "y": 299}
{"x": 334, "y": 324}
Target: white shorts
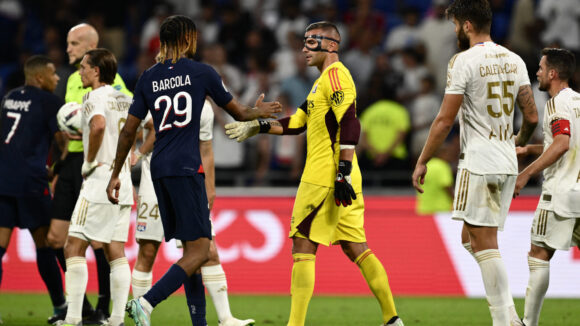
{"x": 100, "y": 222}
{"x": 483, "y": 200}
{"x": 550, "y": 230}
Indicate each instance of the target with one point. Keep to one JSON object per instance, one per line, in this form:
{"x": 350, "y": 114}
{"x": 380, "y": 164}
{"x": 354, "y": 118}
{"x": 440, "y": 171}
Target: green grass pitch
{"x": 33, "y": 309}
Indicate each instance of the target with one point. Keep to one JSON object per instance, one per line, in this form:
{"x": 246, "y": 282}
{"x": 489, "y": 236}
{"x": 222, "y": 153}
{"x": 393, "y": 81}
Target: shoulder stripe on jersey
{"x": 551, "y": 107}
{"x": 334, "y": 82}
{"x": 452, "y": 61}
{"x": 85, "y": 97}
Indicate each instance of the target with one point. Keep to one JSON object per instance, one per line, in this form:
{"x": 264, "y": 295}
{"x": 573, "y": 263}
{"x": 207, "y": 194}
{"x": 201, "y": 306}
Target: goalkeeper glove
{"x": 242, "y": 130}
{"x": 88, "y": 168}
{"x": 343, "y": 191}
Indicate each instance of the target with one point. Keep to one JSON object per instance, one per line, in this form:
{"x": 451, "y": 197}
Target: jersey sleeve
{"x": 216, "y": 88}
{"x": 93, "y": 106}
{"x": 119, "y": 85}
{"x": 206, "y": 122}
{"x": 342, "y": 97}
{"x": 523, "y": 77}
{"x": 557, "y": 109}
{"x": 138, "y": 106}
{"x": 296, "y": 123}
{"x": 457, "y": 76}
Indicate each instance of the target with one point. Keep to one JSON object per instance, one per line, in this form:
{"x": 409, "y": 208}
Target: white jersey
{"x": 113, "y": 106}
{"x": 489, "y": 77}
{"x": 562, "y": 178}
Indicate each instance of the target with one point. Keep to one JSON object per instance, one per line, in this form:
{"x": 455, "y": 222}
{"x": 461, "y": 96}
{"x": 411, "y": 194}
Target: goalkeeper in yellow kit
{"x": 329, "y": 206}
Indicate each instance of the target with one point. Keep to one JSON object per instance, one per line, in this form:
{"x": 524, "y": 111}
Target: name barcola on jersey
{"x": 169, "y": 83}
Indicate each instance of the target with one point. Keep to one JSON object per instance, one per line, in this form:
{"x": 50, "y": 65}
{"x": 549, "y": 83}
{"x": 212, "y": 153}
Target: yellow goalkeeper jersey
{"x": 331, "y": 96}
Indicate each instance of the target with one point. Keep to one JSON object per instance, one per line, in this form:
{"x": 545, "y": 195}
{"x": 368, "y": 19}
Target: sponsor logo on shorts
{"x": 141, "y": 226}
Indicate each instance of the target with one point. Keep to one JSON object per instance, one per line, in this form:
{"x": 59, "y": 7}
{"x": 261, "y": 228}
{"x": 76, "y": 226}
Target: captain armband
{"x": 560, "y": 127}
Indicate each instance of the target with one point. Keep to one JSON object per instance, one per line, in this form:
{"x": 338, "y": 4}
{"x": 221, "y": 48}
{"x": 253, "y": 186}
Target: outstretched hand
{"x": 267, "y": 109}
{"x": 419, "y": 177}
{"x": 242, "y": 130}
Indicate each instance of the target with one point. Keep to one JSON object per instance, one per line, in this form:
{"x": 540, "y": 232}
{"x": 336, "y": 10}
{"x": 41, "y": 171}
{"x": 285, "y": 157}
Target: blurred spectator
{"x": 297, "y": 86}
{"x": 150, "y": 34}
{"x": 215, "y": 55}
{"x": 413, "y": 72}
{"x": 232, "y": 35}
{"x": 207, "y": 23}
{"x": 438, "y": 36}
{"x": 403, "y": 36}
{"x": 291, "y": 21}
{"x": 438, "y": 190}
{"x": 384, "y": 128}
{"x": 284, "y": 59}
{"x": 360, "y": 60}
{"x": 423, "y": 111}
{"x": 562, "y": 21}
{"x": 363, "y": 19}
{"x": 523, "y": 38}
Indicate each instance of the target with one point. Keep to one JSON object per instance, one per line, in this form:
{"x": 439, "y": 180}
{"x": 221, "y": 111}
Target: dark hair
{"x": 478, "y": 12}
{"x": 34, "y": 64}
{"x": 561, "y": 60}
{"x": 105, "y": 60}
{"x": 177, "y": 35}
{"x": 325, "y": 26}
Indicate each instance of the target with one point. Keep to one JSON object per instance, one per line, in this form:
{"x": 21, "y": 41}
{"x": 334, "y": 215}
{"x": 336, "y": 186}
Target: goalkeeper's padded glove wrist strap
{"x": 264, "y": 126}
{"x": 344, "y": 167}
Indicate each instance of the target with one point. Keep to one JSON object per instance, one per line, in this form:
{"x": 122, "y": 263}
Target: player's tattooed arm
{"x": 527, "y": 105}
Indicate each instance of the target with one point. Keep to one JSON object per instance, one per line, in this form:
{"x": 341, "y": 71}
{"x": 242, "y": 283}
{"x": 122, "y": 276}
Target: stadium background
{"x": 255, "y": 46}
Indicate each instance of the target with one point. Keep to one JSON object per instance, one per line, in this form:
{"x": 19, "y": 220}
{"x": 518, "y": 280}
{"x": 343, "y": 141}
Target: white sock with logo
{"x": 536, "y": 290}
{"x": 214, "y": 279}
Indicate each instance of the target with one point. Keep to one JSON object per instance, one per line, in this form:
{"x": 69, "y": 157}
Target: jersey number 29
{"x": 175, "y": 106}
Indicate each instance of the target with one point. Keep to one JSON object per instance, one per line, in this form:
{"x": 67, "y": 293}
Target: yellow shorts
{"x": 316, "y": 217}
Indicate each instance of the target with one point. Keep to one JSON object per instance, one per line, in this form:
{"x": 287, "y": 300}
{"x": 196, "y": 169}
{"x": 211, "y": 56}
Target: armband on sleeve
{"x": 349, "y": 127}
{"x": 560, "y": 126}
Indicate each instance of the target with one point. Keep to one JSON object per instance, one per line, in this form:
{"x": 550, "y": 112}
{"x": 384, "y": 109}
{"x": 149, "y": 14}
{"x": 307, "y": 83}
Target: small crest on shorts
{"x": 141, "y": 226}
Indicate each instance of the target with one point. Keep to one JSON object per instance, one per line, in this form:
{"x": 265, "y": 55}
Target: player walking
{"x": 483, "y": 81}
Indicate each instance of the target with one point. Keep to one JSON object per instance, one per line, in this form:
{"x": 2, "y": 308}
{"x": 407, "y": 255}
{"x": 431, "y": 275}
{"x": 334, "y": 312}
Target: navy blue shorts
{"x": 24, "y": 212}
{"x": 183, "y": 207}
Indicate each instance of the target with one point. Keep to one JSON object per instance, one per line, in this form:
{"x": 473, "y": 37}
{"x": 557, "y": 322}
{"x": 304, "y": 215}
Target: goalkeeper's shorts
{"x": 316, "y": 217}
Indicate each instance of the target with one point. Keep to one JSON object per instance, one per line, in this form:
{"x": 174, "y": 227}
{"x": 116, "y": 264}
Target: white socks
{"x": 120, "y": 283}
{"x": 76, "y": 278}
{"x": 214, "y": 279}
{"x": 141, "y": 282}
{"x": 496, "y": 285}
{"x": 536, "y": 290}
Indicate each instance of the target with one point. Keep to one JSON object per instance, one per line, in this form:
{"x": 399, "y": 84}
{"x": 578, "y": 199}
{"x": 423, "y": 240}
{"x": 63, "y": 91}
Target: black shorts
{"x": 24, "y": 212}
{"x": 68, "y": 187}
{"x": 183, "y": 207}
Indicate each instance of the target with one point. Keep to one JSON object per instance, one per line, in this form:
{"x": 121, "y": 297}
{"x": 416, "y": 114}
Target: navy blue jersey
{"x": 174, "y": 94}
{"x": 27, "y": 126}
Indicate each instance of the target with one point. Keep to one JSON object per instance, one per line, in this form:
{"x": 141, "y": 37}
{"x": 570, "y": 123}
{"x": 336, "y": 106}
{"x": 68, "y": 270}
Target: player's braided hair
{"x": 178, "y": 36}
{"x": 478, "y": 12}
{"x": 561, "y": 60}
{"x": 34, "y": 64}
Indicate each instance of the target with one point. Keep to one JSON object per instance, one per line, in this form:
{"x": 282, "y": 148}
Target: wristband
{"x": 264, "y": 126}
{"x": 344, "y": 167}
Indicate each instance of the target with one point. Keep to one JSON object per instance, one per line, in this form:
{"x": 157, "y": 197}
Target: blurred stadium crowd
{"x": 396, "y": 50}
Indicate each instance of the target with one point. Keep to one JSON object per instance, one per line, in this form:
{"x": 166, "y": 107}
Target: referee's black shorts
{"x": 68, "y": 187}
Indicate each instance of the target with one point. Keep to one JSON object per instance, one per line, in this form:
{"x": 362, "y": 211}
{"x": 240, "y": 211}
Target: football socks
{"x": 214, "y": 279}
{"x": 169, "y": 283}
{"x": 195, "y": 295}
{"x": 141, "y": 282}
{"x": 536, "y": 290}
{"x": 103, "y": 274}
{"x": 302, "y": 286}
{"x": 496, "y": 286}
{"x": 376, "y": 277}
{"x": 120, "y": 283}
{"x": 50, "y": 274}
{"x": 76, "y": 278}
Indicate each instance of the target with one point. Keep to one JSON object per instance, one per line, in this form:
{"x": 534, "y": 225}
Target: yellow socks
{"x": 301, "y": 288}
{"x": 376, "y": 277}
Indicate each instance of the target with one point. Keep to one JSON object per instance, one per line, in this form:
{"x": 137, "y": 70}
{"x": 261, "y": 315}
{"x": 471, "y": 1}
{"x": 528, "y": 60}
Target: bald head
{"x": 80, "y": 39}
